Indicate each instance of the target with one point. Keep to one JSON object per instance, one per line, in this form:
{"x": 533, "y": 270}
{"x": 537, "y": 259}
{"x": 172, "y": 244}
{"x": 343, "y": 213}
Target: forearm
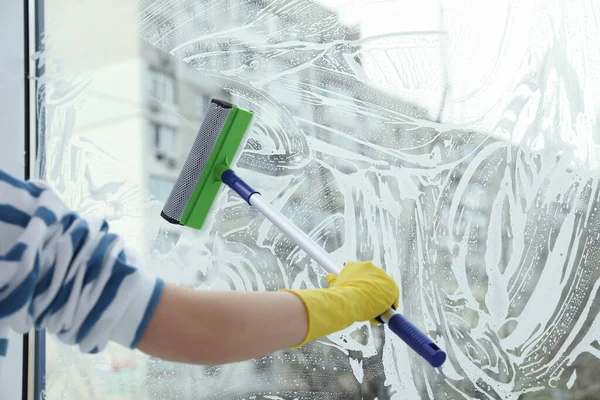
{"x": 221, "y": 327}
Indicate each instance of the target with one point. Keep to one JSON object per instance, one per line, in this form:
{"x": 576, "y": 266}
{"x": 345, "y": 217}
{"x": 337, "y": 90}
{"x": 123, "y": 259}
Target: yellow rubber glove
{"x": 361, "y": 292}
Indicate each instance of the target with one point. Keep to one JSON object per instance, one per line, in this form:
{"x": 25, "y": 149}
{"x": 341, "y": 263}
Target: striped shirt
{"x": 67, "y": 274}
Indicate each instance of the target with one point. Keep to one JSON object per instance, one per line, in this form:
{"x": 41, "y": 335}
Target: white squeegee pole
{"x": 416, "y": 339}
{"x": 295, "y": 234}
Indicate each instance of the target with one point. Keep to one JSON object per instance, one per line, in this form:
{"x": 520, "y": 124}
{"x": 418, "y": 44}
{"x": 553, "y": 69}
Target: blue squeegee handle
{"x": 409, "y": 333}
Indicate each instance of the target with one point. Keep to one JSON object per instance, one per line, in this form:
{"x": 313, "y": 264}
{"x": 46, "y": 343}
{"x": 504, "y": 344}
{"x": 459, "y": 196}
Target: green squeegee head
{"x": 215, "y": 148}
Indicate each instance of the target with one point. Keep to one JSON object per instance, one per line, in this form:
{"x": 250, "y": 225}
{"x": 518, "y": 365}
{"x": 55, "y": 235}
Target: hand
{"x": 375, "y": 288}
{"x": 361, "y": 292}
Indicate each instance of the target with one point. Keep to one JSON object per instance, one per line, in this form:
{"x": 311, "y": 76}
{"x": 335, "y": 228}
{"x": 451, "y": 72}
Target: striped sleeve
{"x": 67, "y": 274}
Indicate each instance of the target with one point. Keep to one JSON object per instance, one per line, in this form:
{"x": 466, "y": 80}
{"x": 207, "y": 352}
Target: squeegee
{"x": 208, "y": 166}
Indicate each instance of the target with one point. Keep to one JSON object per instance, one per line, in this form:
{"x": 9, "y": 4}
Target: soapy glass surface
{"x": 453, "y": 143}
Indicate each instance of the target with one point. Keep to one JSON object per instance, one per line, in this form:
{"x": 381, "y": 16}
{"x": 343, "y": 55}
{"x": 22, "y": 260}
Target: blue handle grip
{"x": 417, "y": 340}
{"x": 244, "y": 190}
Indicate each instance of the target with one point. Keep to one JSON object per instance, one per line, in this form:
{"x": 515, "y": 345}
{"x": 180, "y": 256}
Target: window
{"x": 165, "y": 143}
{"x": 14, "y": 130}
{"x": 201, "y": 104}
{"x": 470, "y": 176}
{"x": 161, "y": 86}
{"x": 160, "y": 187}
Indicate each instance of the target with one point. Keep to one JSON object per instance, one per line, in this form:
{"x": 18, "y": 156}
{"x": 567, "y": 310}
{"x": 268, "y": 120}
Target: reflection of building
{"x": 176, "y": 101}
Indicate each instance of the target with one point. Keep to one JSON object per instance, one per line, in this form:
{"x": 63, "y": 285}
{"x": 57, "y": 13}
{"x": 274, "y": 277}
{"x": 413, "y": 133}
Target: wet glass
{"x": 452, "y": 143}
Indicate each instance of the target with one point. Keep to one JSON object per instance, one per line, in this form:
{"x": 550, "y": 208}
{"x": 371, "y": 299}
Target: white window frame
{"x": 21, "y": 26}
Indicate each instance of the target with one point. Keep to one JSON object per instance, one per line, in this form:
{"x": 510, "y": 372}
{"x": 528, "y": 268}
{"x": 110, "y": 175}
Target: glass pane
{"x": 201, "y": 104}
{"x": 161, "y": 187}
{"x": 168, "y": 141}
{"x": 161, "y": 86}
{"x": 453, "y": 144}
